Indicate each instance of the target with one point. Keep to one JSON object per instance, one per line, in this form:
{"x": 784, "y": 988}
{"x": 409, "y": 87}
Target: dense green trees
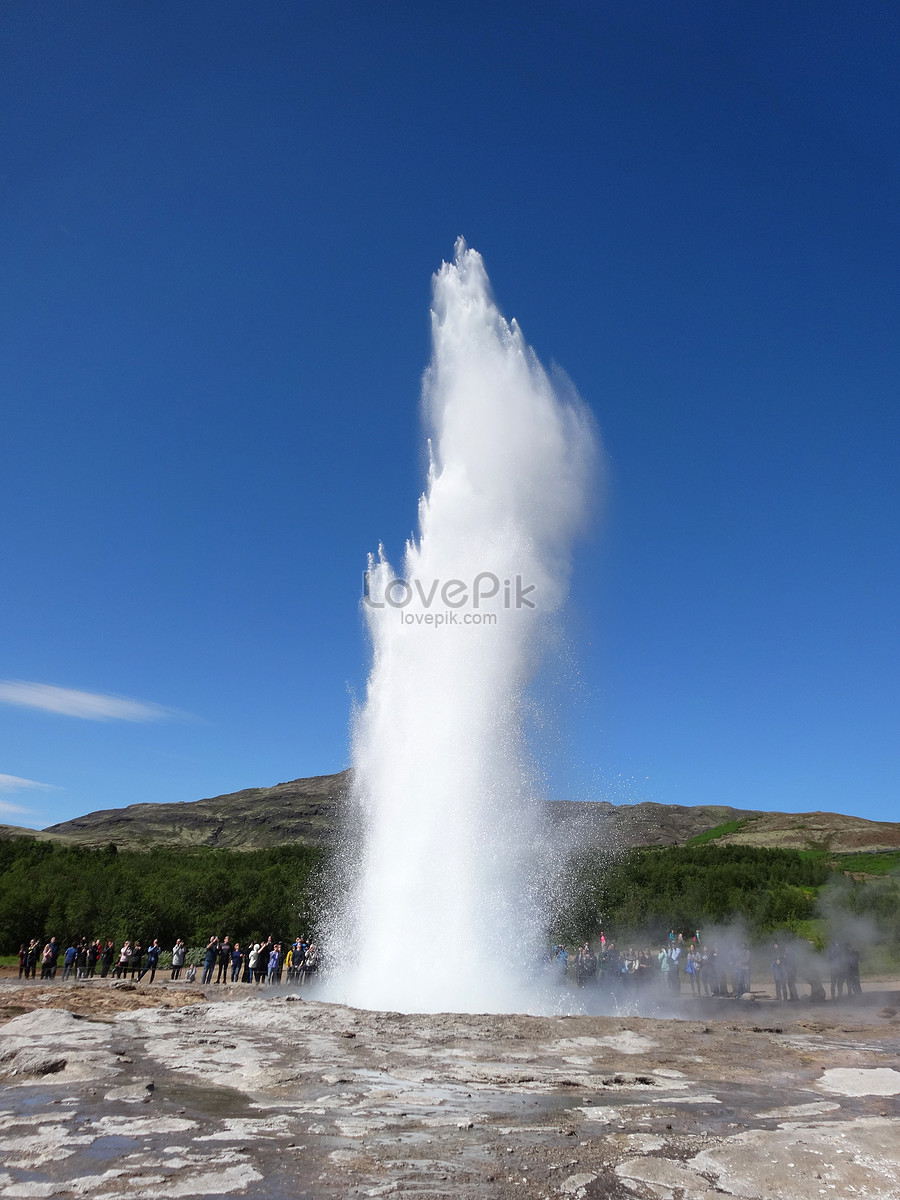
{"x": 71, "y": 891}
{"x": 74, "y": 891}
{"x": 689, "y": 887}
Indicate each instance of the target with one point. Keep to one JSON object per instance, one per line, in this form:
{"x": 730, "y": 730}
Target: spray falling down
{"x": 443, "y": 911}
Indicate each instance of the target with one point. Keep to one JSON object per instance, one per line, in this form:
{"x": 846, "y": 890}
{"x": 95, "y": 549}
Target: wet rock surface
{"x": 280, "y": 1096}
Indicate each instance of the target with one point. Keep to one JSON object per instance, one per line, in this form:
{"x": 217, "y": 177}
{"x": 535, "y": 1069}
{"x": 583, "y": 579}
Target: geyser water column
{"x": 443, "y": 907}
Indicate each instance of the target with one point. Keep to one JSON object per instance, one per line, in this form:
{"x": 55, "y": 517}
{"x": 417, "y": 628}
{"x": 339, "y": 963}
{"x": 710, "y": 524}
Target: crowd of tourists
{"x": 270, "y": 962}
{"x": 712, "y": 970}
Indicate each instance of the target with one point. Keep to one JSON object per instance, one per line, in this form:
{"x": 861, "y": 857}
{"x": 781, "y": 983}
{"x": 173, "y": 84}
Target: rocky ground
{"x": 113, "y": 1090}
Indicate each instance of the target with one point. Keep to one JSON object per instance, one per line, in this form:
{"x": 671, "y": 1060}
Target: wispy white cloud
{"x": 91, "y": 706}
{"x": 15, "y": 783}
{"x": 14, "y": 810}
{"x": 20, "y": 814}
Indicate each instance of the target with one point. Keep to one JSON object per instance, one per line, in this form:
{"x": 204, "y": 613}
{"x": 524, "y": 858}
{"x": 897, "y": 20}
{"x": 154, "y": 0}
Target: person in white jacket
{"x": 178, "y": 952}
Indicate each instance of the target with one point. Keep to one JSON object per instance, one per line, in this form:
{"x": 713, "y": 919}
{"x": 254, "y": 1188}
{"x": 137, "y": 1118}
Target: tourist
{"x": 779, "y": 974}
{"x": 49, "y": 959}
{"x": 253, "y": 963}
{"x": 178, "y": 952}
{"x": 299, "y": 956}
{"x": 31, "y": 960}
{"x": 692, "y": 969}
{"x": 137, "y": 957}
{"x": 237, "y": 958}
{"x": 224, "y": 960}
{"x": 644, "y": 967}
{"x": 742, "y": 971}
{"x": 562, "y": 962}
{"x": 69, "y": 962}
{"x": 790, "y": 967}
{"x": 664, "y": 965}
{"x": 718, "y": 983}
{"x": 585, "y": 965}
{"x": 675, "y": 967}
{"x": 153, "y": 954}
{"x": 93, "y": 957}
{"x": 124, "y": 958}
{"x": 209, "y": 960}
{"x": 851, "y": 968}
{"x": 191, "y": 974}
{"x": 274, "y": 966}
{"x": 704, "y": 969}
{"x": 310, "y": 963}
{"x": 837, "y": 967}
{"x": 265, "y": 955}
{"x": 106, "y": 958}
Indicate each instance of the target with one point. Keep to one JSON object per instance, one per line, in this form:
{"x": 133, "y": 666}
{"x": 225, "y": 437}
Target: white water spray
{"x": 444, "y": 910}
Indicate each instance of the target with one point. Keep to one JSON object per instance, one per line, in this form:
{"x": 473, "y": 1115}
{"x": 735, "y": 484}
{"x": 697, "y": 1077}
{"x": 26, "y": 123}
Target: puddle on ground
{"x": 110, "y": 1146}
{"x": 214, "y": 1102}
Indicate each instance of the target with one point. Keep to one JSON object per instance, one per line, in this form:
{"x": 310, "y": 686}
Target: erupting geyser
{"x": 443, "y": 910}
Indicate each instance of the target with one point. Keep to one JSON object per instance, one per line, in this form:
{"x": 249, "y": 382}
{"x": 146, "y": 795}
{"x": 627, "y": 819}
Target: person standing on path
{"x": 178, "y": 953}
{"x": 106, "y": 958}
{"x": 224, "y": 960}
{"x": 137, "y": 958}
{"x": 209, "y": 960}
{"x": 124, "y": 958}
{"x": 31, "y": 961}
{"x": 237, "y": 958}
{"x": 49, "y": 959}
{"x": 153, "y": 954}
{"x": 779, "y": 974}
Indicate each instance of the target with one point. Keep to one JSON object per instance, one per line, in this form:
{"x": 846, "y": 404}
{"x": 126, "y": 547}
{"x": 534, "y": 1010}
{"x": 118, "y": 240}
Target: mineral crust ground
{"x": 117, "y": 1090}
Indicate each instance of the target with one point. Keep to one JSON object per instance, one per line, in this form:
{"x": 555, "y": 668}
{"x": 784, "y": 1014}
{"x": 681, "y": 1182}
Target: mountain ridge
{"x": 309, "y": 811}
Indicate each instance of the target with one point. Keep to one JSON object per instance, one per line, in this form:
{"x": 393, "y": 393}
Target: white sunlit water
{"x": 442, "y": 909}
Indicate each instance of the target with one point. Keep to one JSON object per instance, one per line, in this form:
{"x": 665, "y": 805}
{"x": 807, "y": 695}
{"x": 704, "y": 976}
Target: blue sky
{"x": 218, "y": 225}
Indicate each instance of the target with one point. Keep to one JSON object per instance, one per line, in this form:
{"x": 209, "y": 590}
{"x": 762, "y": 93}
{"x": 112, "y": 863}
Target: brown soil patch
{"x": 97, "y": 999}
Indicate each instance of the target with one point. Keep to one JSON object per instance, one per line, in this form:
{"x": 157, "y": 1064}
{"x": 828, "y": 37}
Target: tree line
{"x": 80, "y": 891}
{"x": 698, "y": 886}
{"x": 167, "y": 892}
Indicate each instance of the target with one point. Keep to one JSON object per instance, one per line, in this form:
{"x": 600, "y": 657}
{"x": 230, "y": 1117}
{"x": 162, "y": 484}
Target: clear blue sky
{"x": 218, "y": 224}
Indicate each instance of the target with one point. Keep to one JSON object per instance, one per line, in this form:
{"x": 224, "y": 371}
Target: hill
{"x": 302, "y": 811}
{"x": 309, "y": 812}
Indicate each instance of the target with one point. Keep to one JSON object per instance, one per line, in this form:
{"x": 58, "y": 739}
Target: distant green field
{"x": 879, "y": 863}
{"x": 720, "y": 831}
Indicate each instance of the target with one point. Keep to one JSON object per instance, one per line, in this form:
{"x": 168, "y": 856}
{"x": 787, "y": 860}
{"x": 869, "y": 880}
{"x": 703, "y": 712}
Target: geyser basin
{"x": 443, "y": 909}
